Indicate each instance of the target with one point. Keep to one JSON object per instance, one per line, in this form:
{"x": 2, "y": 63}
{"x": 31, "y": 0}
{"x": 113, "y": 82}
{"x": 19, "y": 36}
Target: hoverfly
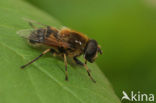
{"x": 65, "y": 43}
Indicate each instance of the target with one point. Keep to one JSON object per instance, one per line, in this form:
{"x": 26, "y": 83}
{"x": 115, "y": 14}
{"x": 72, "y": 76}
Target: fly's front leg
{"x": 78, "y": 61}
{"x": 85, "y": 66}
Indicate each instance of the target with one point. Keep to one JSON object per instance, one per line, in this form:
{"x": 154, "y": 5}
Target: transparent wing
{"x": 25, "y": 33}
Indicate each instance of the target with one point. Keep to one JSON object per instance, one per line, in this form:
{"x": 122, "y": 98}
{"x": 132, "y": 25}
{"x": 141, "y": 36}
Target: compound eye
{"x": 91, "y": 50}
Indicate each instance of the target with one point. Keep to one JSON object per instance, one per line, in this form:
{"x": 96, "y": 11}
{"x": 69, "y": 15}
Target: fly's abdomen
{"x": 37, "y": 36}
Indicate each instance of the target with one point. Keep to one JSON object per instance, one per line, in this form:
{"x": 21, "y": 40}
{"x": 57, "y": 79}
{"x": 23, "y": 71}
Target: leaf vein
{"x": 47, "y": 74}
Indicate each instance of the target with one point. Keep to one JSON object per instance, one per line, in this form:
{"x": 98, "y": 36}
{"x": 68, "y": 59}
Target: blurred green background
{"x": 126, "y": 30}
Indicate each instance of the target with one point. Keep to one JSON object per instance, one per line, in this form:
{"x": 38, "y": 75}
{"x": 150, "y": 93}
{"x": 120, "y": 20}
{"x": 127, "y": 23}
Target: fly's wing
{"x": 40, "y": 38}
{"x": 53, "y": 42}
{"x": 25, "y": 33}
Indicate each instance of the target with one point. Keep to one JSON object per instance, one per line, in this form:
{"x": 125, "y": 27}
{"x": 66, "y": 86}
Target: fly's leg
{"x": 85, "y": 66}
{"x": 78, "y": 61}
{"x": 43, "y": 53}
{"x": 66, "y": 72}
{"x": 32, "y": 21}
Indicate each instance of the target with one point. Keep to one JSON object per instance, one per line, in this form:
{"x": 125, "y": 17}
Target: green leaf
{"x": 43, "y": 81}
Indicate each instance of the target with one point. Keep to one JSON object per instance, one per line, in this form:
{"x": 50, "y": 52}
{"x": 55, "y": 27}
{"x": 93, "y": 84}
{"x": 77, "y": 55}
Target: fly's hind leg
{"x": 32, "y": 21}
{"x": 32, "y": 25}
{"x": 85, "y": 66}
{"x": 43, "y": 53}
{"x": 53, "y": 52}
